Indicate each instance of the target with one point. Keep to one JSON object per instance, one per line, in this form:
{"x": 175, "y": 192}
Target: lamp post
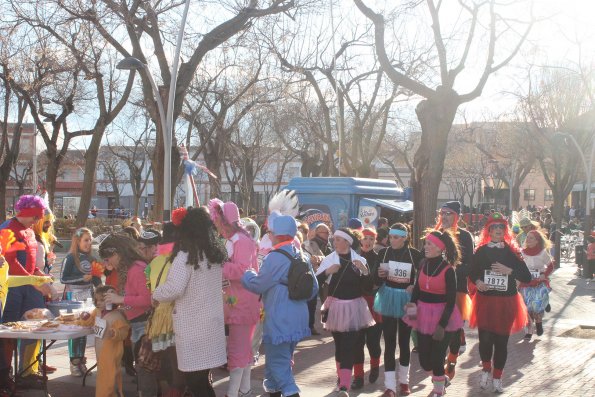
{"x": 132, "y": 63}
{"x": 588, "y": 173}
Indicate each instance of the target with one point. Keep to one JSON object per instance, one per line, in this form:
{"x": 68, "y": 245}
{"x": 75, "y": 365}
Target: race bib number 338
{"x": 495, "y": 281}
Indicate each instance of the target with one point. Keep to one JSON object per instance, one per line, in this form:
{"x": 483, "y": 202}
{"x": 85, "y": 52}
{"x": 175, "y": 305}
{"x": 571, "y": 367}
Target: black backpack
{"x": 300, "y": 279}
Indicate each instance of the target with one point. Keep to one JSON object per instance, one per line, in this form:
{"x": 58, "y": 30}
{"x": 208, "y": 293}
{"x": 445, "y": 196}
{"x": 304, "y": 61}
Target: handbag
{"x": 147, "y": 359}
{"x": 324, "y": 313}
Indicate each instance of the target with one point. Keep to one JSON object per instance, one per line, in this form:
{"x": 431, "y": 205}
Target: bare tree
{"x": 155, "y": 22}
{"x": 114, "y": 175}
{"x": 437, "y": 110}
{"x": 557, "y": 96}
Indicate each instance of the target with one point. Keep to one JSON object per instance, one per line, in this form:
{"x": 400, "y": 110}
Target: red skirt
{"x": 370, "y": 301}
{"x": 502, "y": 315}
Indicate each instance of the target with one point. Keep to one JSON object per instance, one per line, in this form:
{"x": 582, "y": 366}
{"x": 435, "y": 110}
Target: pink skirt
{"x": 428, "y": 317}
{"x": 347, "y": 315}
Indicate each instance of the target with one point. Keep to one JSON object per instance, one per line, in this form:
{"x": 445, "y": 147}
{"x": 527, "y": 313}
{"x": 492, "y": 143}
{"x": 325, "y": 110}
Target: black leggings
{"x": 491, "y": 343}
{"x": 199, "y": 384}
{"x": 455, "y": 342}
{"x": 344, "y": 348}
{"x": 369, "y": 337}
{"x": 391, "y": 326}
{"x": 431, "y": 353}
{"x": 312, "y": 311}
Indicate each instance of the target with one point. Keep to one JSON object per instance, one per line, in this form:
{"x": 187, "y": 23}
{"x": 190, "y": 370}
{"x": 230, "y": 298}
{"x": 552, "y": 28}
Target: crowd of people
{"x": 210, "y": 288}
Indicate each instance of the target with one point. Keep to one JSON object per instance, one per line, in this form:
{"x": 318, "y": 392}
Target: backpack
{"x": 300, "y": 279}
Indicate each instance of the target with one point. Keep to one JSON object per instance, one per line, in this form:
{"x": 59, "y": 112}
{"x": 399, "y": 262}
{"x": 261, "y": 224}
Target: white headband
{"x": 343, "y": 235}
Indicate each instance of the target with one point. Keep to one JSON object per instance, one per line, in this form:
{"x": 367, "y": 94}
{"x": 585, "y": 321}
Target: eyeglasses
{"x": 498, "y": 226}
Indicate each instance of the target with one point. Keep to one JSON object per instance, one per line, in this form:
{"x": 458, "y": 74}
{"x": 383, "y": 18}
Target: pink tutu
{"x": 428, "y": 317}
{"x": 346, "y": 315}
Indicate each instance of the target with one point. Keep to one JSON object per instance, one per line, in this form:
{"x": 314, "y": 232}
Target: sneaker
{"x": 49, "y": 369}
{"x": 389, "y": 393}
{"x": 75, "y": 370}
{"x": 497, "y": 383}
{"x": 539, "y": 328}
{"x": 374, "y": 373}
{"x": 484, "y": 380}
{"x": 343, "y": 392}
{"x": 33, "y": 381}
{"x": 528, "y": 337}
{"x": 404, "y": 389}
{"x": 357, "y": 383}
{"x": 449, "y": 369}
{"x": 247, "y": 394}
{"x": 446, "y": 381}
{"x": 548, "y": 308}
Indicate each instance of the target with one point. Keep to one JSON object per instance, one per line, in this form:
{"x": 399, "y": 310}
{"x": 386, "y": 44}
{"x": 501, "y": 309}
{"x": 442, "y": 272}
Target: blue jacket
{"x": 285, "y": 320}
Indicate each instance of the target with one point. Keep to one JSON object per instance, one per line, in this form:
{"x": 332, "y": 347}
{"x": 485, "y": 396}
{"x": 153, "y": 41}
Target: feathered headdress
{"x": 286, "y": 202}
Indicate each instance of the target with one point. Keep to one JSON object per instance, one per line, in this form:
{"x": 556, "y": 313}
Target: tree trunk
{"x": 2, "y": 202}
{"x": 558, "y": 215}
{"x": 435, "y": 116}
{"x": 51, "y": 174}
{"x": 516, "y": 196}
{"x": 89, "y": 179}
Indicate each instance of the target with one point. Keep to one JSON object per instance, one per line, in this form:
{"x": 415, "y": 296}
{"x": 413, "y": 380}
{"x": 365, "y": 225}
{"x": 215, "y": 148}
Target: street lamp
{"x": 588, "y": 173}
{"x": 131, "y": 63}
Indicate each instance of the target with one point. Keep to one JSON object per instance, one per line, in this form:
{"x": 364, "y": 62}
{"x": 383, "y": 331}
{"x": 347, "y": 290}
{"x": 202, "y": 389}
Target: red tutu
{"x": 502, "y": 315}
{"x": 370, "y": 301}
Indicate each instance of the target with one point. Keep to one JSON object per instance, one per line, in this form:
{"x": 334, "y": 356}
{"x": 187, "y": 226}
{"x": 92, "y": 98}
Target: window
{"x": 548, "y": 196}
{"x": 529, "y": 195}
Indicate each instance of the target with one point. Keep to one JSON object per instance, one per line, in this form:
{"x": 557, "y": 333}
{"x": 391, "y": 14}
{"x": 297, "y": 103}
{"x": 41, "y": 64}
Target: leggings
{"x": 432, "y": 353}
{"x": 344, "y": 347}
{"x": 312, "y": 311}
{"x": 391, "y": 326}
{"x": 76, "y": 347}
{"x": 493, "y": 344}
{"x": 455, "y": 341}
{"x": 369, "y": 337}
{"x": 199, "y": 384}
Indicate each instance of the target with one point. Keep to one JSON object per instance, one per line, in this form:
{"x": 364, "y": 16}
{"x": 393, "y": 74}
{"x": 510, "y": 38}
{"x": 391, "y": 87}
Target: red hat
{"x": 496, "y": 217}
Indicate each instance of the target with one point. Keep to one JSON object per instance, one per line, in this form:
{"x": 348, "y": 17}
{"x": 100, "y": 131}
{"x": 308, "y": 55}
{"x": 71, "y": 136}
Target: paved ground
{"x": 551, "y": 365}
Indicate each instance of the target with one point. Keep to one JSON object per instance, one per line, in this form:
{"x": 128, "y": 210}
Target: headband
{"x": 343, "y": 235}
{"x": 369, "y": 232}
{"x": 436, "y": 241}
{"x": 31, "y": 212}
{"x": 398, "y": 232}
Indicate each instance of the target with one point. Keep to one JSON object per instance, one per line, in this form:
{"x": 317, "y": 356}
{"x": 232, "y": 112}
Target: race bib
{"x": 399, "y": 272}
{"x": 495, "y": 281}
{"x": 535, "y": 274}
{"x": 99, "y": 327}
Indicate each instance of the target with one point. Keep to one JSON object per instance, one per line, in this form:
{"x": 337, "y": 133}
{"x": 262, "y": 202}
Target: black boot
{"x": 275, "y": 394}
{"x": 295, "y": 395}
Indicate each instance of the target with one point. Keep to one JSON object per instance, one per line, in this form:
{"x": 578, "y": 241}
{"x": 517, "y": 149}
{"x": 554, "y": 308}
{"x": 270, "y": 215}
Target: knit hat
{"x": 284, "y": 225}
{"x": 495, "y": 217}
{"x": 30, "y": 206}
{"x": 453, "y": 206}
{"x": 356, "y": 224}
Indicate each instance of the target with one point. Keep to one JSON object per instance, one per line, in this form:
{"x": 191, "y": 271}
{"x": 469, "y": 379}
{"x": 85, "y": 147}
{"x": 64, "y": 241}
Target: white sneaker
{"x": 497, "y": 383}
{"x": 484, "y": 380}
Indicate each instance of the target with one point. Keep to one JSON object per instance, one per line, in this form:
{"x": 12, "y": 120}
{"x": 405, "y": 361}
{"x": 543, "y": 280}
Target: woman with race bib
{"x": 536, "y": 293}
{"x": 396, "y": 277}
{"x": 498, "y": 310}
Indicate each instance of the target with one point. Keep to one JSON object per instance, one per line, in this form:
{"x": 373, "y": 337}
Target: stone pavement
{"x": 550, "y": 365}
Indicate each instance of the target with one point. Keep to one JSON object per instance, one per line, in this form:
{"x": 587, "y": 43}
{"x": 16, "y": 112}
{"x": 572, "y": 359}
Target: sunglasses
{"x": 498, "y": 226}
{"x": 446, "y": 213}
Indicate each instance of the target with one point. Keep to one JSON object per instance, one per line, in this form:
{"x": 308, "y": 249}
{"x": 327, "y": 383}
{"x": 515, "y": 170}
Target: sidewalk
{"x": 550, "y": 365}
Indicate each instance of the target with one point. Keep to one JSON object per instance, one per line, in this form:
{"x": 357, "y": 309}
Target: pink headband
{"x": 436, "y": 241}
